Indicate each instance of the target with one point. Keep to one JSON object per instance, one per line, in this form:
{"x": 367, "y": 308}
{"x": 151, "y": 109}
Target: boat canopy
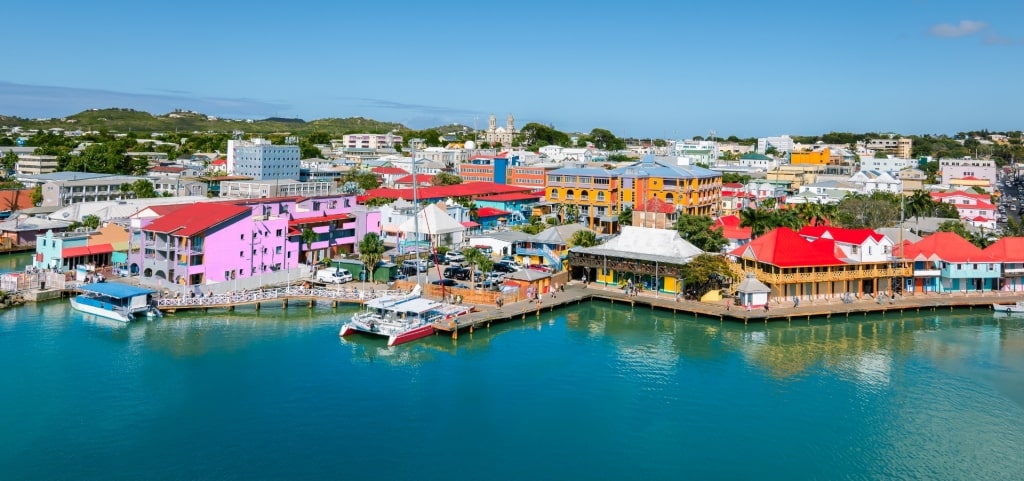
{"x": 115, "y": 290}
{"x": 417, "y": 305}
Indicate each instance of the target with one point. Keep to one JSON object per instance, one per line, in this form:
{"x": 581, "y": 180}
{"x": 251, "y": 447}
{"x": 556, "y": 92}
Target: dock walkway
{"x": 282, "y": 294}
{"x": 576, "y": 293}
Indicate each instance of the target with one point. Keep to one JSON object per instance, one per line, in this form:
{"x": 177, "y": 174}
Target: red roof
{"x": 1007, "y": 249}
{"x": 388, "y": 171}
{"x": 732, "y": 185}
{"x": 970, "y": 177}
{"x": 166, "y": 209}
{"x": 86, "y": 250}
{"x": 839, "y": 234}
{"x": 318, "y": 219}
{"x": 219, "y": 162}
{"x": 981, "y": 218}
{"x": 195, "y": 218}
{"x": 946, "y": 246}
{"x": 16, "y": 199}
{"x": 470, "y": 224}
{"x": 490, "y": 212}
{"x": 730, "y": 225}
{"x": 784, "y": 248}
{"x": 511, "y": 197}
{"x": 657, "y": 205}
{"x": 468, "y": 189}
{"x": 420, "y": 178}
{"x": 960, "y": 193}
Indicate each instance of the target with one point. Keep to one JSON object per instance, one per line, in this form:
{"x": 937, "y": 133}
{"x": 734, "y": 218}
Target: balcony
{"x": 927, "y": 272}
{"x": 1013, "y": 271}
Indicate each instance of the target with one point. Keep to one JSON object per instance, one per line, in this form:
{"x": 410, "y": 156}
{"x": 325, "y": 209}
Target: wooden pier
{"x": 279, "y": 296}
{"x": 778, "y": 311}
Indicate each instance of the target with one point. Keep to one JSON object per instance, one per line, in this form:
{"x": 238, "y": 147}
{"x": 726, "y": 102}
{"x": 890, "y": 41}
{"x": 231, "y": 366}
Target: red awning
{"x": 86, "y": 251}
{"x": 316, "y": 220}
{"x": 470, "y": 224}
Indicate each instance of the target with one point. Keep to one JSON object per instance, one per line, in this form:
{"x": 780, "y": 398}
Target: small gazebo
{"x": 752, "y": 292}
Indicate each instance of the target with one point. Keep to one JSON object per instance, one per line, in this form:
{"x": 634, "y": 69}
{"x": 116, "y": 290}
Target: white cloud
{"x": 963, "y": 29}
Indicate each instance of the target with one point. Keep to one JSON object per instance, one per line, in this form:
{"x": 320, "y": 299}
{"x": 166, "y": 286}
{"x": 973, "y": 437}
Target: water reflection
{"x": 864, "y": 350}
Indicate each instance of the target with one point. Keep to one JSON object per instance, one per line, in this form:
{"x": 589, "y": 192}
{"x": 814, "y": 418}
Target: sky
{"x": 639, "y": 68}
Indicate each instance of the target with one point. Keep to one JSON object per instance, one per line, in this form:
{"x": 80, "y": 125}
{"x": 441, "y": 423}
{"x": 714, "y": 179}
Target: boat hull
{"x": 1008, "y": 308}
{"x": 411, "y": 335}
{"x": 99, "y": 311}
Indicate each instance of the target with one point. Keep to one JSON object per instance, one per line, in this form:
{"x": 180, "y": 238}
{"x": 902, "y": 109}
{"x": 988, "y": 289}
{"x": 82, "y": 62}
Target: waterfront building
{"x": 593, "y": 190}
{"x": 23, "y": 229}
{"x": 262, "y": 160}
{"x": 57, "y": 250}
{"x": 752, "y": 293}
{"x": 1009, "y": 251}
{"x": 650, "y": 258}
{"x": 688, "y": 189}
{"x": 548, "y": 248}
{"x": 501, "y": 243}
{"x": 822, "y": 262}
{"x": 945, "y": 262}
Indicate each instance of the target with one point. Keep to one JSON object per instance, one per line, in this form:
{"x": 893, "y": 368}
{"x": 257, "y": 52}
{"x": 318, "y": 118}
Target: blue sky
{"x": 639, "y": 68}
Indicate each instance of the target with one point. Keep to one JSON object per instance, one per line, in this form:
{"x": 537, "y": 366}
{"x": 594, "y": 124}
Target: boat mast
{"x": 416, "y": 207}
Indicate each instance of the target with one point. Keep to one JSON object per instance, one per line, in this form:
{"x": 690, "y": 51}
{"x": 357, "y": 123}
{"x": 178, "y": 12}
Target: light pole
{"x": 416, "y": 207}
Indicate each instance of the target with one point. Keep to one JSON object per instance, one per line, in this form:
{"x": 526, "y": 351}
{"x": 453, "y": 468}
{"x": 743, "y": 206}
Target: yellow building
{"x": 688, "y": 188}
{"x": 589, "y": 193}
{"x": 818, "y": 157}
{"x": 794, "y": 175}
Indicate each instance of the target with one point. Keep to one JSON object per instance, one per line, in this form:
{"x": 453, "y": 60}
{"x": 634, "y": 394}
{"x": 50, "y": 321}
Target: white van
{"x": 333, "y": 275}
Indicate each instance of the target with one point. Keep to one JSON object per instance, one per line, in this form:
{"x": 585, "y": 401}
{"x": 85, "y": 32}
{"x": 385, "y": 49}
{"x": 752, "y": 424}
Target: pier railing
{"x": 235, "y": 298}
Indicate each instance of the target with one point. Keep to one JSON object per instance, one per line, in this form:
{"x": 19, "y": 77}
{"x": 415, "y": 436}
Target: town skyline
{"x": 661, "y": 71}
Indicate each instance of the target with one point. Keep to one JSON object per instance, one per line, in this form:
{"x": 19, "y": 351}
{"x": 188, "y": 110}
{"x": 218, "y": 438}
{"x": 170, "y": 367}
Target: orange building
{"x": 817, "y": 157}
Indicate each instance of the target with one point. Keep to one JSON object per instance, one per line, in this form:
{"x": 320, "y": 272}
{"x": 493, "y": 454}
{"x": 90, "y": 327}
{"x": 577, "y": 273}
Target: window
{"x": 554, "y": 193}
{"x": 241, "y": 253}
{"x": 241, "y": 237}
{"x": 279, "y": 231}
{"x": 600, "y": 196}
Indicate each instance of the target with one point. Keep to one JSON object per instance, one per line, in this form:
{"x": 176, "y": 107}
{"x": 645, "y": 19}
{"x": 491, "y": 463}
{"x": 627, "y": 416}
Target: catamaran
{"x": 113, "y": 300}
{"x": 401, "y": 318}
{"x": 1015, "y": 308}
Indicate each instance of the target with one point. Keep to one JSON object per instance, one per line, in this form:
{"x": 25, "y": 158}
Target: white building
{"x": 369, "y": 141}
{"x": 262, "y": 160}
{"x": 697, "y": 151}
{"x": 968, "y": 167}
{"x": 36, "y": 164}
{"x": 888, "y": 164}
{"x": 875, "y": 181}
{"x": 782, "y": 143}
{"x": 758, "y": 161}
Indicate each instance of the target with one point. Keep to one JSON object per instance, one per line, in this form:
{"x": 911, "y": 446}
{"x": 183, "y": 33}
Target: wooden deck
{"x": 282, "y": 296}
{"x": 778, "y": 311}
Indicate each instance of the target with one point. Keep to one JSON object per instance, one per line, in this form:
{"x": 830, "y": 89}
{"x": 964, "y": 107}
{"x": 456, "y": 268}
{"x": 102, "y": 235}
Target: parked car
{"x": 447, "y": 283}
{"x": 540, "y": 267}
{"x": 420, "y": 264}
{"x": 456, "y": 273}
{"x": 440, "y": 259}
{"x": 455, "y": 257}
{"x": 505, "y": 267}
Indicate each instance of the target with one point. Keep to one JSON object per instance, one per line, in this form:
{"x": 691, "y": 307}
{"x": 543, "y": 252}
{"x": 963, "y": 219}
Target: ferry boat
{"x": 113, "y": 300}
{"x": 1015, "y": 308}
{"x": 401, "y": 318}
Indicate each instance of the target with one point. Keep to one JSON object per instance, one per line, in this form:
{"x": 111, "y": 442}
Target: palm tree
{"x": 919, "y": 204}
{"x": 308, "y": 238}
{"x": 626, "y": 217}
{"x": 583, "y": 238}
{"x": 758, "y": 220}
{"x": 476, "y": 259}
{"x": 786, "y": 218}
{"x": 371, "y": 250}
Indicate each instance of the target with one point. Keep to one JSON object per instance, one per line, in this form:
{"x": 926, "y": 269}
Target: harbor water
{"x": 594, "y": 391}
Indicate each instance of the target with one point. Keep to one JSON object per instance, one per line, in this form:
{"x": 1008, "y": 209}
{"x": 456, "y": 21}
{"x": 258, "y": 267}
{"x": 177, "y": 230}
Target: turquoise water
{"x": 590, "y": 392}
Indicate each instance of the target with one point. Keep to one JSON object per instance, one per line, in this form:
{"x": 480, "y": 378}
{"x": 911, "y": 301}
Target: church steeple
{"x": 492, "y": 124}
{"x": 511, "y": 124}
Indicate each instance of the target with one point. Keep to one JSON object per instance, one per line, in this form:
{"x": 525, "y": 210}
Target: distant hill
{"x": 125, "y": 120}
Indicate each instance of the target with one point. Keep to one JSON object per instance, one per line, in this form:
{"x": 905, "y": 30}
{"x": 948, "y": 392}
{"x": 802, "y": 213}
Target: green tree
{"x": 626, "y": 216}
{"x": 583, "y": 238}
{"x": 880, "y": 209}
{"x": 9, "y": 160}
{"x": 308, "y": 238}
{"x": 371, "y": 251}
{"x": 697, "y": 230}
{"x": 707, "y": 271}
{"x": 605, "y": 140}
{"x": 534, "y": 136}
{"x": 759, "y": 220}
{"x": 619, "y": 158}
{"x": 91, "y": 221}
{"x": 143, "y": 189}
{"x": 919, "y": 204}
{"x": 476, "y": 259}
{"x": 364, "y": 179}
{"x": 445, "y": 178}
{"x": 37, "y": 194}
{"x": 379, "y": 201}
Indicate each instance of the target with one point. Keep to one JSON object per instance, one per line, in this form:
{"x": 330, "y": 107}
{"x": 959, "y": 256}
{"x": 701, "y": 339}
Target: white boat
{"x": 1015, "y": 308}
{"x": 401, "y": 318}
{"x": 113, "y": 300}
